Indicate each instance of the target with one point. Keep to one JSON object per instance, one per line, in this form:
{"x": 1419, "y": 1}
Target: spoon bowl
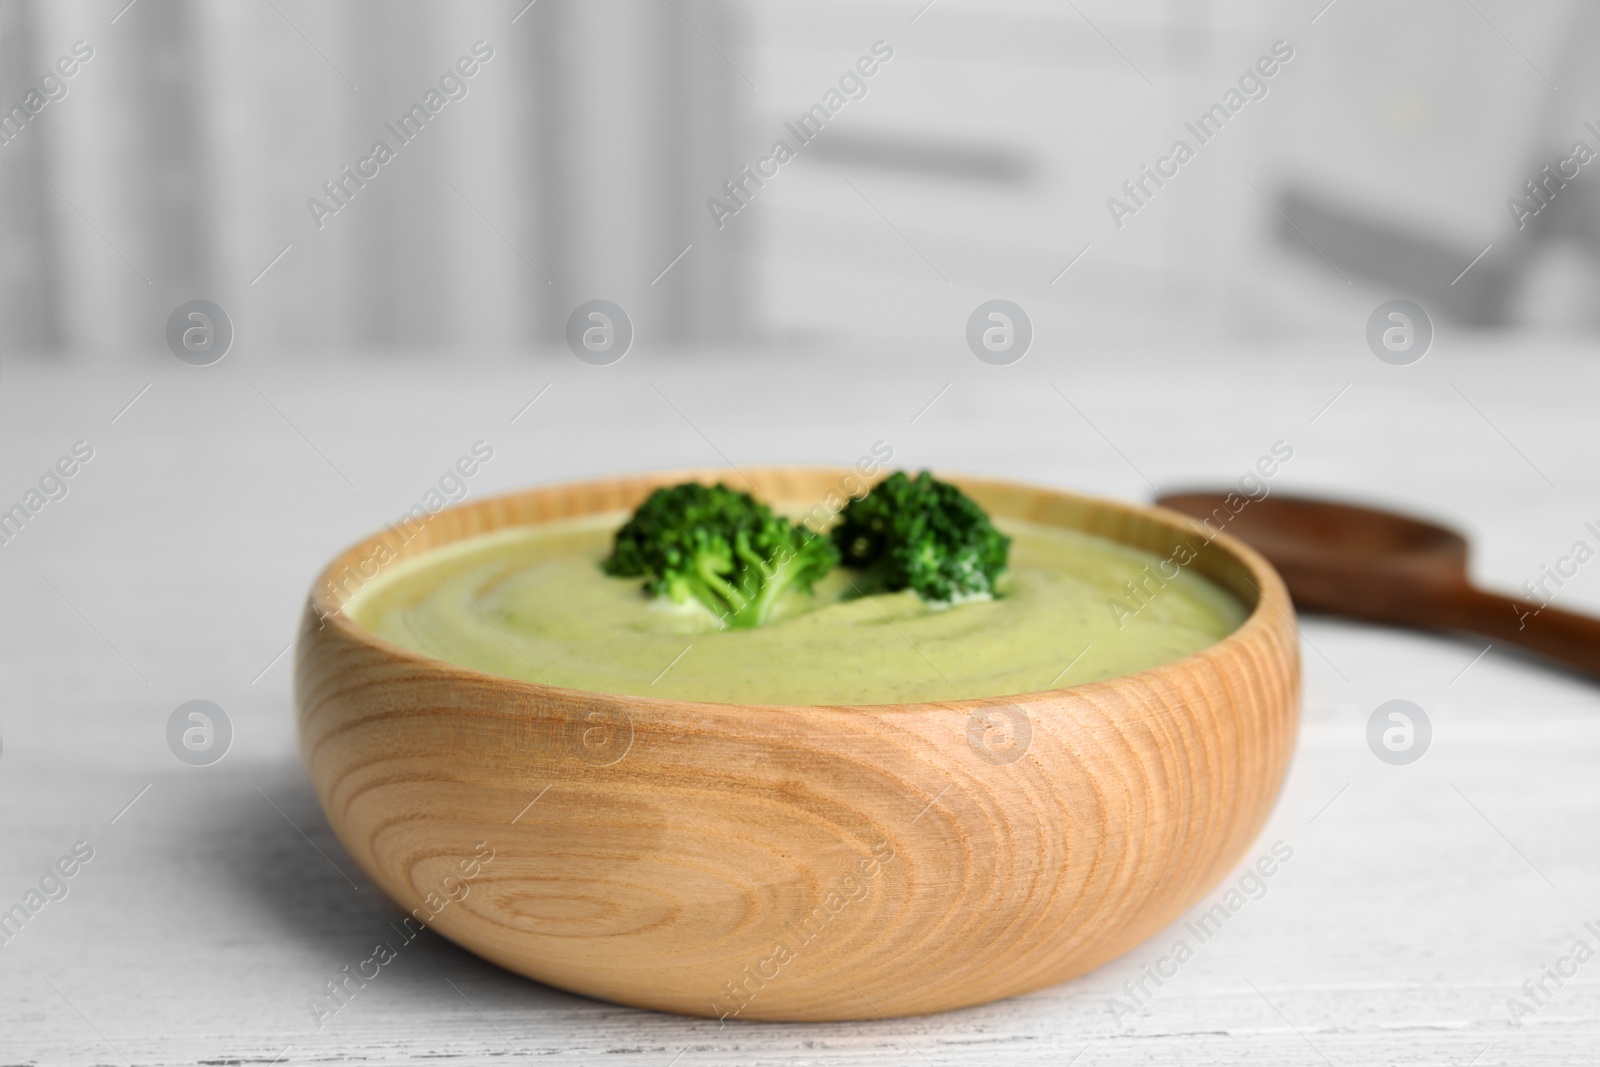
{"x": 1343, "y": 559}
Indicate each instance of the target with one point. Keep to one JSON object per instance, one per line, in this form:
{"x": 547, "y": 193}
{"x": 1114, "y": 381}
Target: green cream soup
{"x": 532, "y": 603}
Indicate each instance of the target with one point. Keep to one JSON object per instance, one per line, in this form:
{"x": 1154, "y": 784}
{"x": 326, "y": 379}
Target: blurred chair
{"x": 1556, "y": 249}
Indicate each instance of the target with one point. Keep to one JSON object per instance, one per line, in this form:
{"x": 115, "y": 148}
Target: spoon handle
{"x": 1564, "y": 636}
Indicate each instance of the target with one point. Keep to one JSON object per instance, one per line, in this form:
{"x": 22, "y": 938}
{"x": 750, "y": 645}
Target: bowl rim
{"x": 1272, "y": 596}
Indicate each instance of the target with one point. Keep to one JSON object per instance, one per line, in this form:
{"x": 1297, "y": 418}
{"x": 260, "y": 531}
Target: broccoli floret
{"x": 924, "y": 535}
{"x": 720, "y": 547}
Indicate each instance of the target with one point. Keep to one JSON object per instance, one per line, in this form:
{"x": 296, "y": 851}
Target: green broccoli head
{"x": 720, "y": 547}
{"x": 924, "y": 535}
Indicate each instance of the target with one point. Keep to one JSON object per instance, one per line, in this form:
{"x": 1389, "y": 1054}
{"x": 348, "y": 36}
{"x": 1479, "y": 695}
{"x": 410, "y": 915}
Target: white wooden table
{"x": 1418, "y": 899}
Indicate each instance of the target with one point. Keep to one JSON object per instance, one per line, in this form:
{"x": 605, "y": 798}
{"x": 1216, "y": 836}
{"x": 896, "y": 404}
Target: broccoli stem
{"x": 779, "y": 576}
{"x": 721, "y": 597}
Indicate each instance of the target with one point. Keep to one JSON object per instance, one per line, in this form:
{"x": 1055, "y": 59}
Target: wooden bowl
{"x": 797, "y": 863}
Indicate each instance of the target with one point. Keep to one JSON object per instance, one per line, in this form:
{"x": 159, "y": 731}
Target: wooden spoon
{"x": 1367, "y": 564}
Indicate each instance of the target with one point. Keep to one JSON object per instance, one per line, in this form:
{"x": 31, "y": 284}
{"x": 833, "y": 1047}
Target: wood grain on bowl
{"x": 800, "y": 863}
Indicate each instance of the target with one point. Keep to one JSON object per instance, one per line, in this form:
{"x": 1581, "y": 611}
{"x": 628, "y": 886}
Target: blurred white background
{"x": 978, "y": 164}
